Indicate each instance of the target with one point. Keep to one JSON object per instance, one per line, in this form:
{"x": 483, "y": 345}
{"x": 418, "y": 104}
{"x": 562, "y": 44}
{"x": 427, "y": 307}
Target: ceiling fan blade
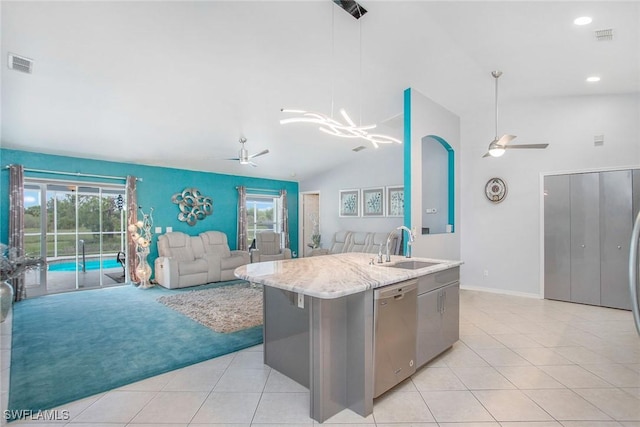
{"x": 486, "y": 154}
{"x": 259, "y": 154}
{"x": 233, "y": 158}
{"x": 527, "y": 146}
{"x": 505, "y": 139}
{"x": 253, "y": 164}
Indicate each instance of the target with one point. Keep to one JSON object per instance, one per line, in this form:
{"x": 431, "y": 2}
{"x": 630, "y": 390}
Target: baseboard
{"x": 501, "y": 291}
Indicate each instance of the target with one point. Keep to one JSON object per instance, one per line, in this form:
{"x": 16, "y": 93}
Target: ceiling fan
{"x": 499, "y": 145}
{"x": 243, "y": 154}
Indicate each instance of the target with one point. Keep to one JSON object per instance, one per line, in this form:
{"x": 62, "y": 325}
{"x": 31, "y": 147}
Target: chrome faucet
{"x": 411, "y": 239}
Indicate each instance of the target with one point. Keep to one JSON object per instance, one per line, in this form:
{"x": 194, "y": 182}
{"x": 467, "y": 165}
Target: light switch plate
{"x": 300, "y": 300}
{"x": 169, "y": 229}
{"x": 158, "y": 230}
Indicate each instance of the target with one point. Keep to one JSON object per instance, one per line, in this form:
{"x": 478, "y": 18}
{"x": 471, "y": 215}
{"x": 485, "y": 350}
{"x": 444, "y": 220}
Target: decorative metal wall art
{"x": 193, "y": 205}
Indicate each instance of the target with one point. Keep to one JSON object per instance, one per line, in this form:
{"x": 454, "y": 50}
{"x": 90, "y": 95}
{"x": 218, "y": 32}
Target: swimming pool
{"x": 91, "y": 265}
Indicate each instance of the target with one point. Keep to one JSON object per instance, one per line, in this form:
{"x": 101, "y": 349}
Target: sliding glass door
{"x": 79, "y": 228}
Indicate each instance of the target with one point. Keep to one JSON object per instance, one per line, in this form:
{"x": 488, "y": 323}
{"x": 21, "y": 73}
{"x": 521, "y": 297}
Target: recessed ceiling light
{"x": 583, "y": 20}
{"x": 593, "y": 79}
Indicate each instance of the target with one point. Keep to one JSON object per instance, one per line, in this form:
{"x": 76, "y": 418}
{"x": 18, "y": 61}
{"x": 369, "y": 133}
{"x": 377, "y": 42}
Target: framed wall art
{"x": 349, "y": 201}
{"x": 373, "y": 201}
{"x": 395, "y": 200}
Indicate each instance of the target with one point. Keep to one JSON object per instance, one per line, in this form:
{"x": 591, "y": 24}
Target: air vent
{"x": 352, "y": 7}
{"x": 20, "y": 63}
{"x": 360, "y": 148}
{"x": 598, "y": 140}
{"x": 604, "y": 35}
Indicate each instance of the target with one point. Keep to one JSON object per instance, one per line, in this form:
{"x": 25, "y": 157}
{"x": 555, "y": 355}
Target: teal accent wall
{"x": 450, "y": 180}
{"x": 407, "y": 157}
{"x": 155, "y": 190}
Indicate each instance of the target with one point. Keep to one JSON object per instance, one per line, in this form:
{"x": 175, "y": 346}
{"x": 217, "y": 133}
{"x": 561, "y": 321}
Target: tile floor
{"x": 520, "y": 362}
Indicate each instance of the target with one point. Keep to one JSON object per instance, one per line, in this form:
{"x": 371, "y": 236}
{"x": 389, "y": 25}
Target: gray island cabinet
{"x": 320, "y": 322}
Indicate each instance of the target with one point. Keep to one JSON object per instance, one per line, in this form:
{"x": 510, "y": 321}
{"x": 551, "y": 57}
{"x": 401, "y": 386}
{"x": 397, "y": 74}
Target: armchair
{"x": 268, "y": 248}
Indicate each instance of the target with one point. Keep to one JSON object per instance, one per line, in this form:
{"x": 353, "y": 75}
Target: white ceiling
{"x": 177, "y": 83}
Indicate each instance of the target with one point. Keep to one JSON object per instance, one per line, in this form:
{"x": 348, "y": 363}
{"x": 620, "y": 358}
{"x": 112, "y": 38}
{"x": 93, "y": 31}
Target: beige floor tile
{"x": 455, "y": 406}
{"x": 242, "y": 380}
{"x": 347, "y": 416}
{"x": 74, "y": 409}
{"x": 502, "y": 357}
{"x": 156, "y": 383}
{"x": 542, "y": 356}
{"x": 171, "y": 407}
{"x": 616, "y": 374}
{"x": 516, "y": 341}
{"x": 591, "y": 424}
{"x": 481, "y": 341}
{"x": 428, "y": 379}
{"x": 482, "y": 378}
{"x": 564, "y": 404}
{"x": 219, "y": 363}
{"x": 633, "y": 391}
{"x": 266, "y": 425}
{"x": 479, "y": 424}
{"x": 461, "y": 355}
{"x": 582, "y": 355}
{"x": 531, "y": 424}
{"x": 194, "y": 378}
{"x": 401, "y": 407}
{"x": 283, "y": 408}
{"x": 149, "y": 425}
{"x": 235, "y": 425}
{"x": 220, "y": 408}
{"x": 574, "y": 376}
{"x": 616, "y": 403}
{"x": 630, "y": 423}
{"x": 279, "y": 383}
{"x": 528, "y": 377}
{"x": 115, "y": 407}
{"x": 511, "y": 405}
{"x": 248, "y": 360}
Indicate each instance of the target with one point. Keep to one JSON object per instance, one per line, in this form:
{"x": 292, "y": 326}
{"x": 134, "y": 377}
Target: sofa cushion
{"x": 193, "y": 267}
{"x": 359, "y": 242}
{"x": 176, "y": 245}
{"x": 215, "y": 242}
{"x": 232, "y": 262}
{"x": 340, "y": 242}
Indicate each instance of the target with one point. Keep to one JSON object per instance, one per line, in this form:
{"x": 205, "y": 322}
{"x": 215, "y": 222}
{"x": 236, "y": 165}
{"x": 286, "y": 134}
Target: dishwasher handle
{"x": 397, "y": 291}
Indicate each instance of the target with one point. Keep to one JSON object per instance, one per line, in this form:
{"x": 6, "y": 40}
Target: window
{"x": 263, "y": 213}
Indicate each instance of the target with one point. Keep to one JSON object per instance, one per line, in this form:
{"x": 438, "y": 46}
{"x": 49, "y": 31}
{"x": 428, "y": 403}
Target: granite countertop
{"x": 334, "y": 276}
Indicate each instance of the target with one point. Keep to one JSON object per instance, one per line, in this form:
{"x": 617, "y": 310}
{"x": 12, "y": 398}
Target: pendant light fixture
{"x": 328, "y": 124}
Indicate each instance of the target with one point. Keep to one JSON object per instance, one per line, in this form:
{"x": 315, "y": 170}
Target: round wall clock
{"x": 495, "y": 190}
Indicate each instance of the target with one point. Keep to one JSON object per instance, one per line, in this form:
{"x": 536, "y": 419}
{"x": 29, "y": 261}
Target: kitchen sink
{"x": 413, "y": 265}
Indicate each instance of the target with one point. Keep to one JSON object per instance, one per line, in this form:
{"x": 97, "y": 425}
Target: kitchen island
{"x": 319, "y": 321}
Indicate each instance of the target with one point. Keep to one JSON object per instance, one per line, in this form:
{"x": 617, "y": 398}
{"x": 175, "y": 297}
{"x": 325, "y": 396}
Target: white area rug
{"x": 225, "y": 309}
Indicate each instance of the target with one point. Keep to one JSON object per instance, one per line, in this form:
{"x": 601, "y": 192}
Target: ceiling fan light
{"x": 593, "y": 79}
{"x": 583, "y": 20}
{"x": 496, "y": 152}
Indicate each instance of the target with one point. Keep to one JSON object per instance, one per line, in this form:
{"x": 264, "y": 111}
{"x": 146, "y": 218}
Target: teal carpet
{"x": 69, "y": 346}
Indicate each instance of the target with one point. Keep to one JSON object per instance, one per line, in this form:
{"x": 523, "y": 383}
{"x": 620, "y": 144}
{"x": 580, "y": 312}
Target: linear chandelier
{"x": 333, "y": 127}
{"x": 328, "y": 124}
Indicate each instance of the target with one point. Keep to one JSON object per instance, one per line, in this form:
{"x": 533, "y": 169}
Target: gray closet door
{"x": 585, "y": 238}
{"x": 557, "y": 238}
{"x": 615, "y": 231}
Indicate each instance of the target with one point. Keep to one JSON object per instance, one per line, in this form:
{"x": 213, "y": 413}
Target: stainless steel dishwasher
{"x": 394, "y": 338}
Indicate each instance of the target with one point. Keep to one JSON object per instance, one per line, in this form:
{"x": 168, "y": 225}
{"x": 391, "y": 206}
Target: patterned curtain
{"x": 132, "y": 218}
{"x": 242, "y": 218}
{"x": 285, "y": 218}
{"x": 16, "y": 224}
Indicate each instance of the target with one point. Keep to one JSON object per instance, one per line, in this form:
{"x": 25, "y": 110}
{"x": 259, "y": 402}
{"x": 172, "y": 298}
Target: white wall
{"x": 430, "y": 118}
{"x": 368, "y": 168}
{"x": 503, "y": 240}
